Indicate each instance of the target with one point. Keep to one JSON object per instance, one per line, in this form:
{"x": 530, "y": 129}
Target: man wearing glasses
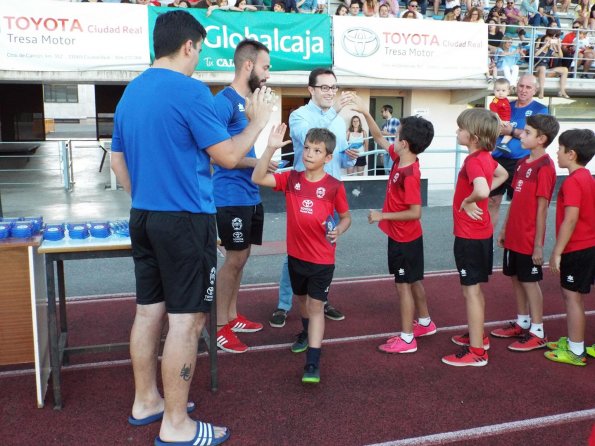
{"x": 321, "y": 112}
{"x": 413, "y": 6}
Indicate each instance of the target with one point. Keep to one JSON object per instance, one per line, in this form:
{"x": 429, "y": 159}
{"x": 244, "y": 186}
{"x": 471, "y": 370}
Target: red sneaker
{"x": 528, "y": 342}
{"x": 511, "y": 330}
{"x": 466, "y": 358}
{"x": 229, "y": 342}
{"x": 242, "y": 325}
{"x": 464, "y": 341}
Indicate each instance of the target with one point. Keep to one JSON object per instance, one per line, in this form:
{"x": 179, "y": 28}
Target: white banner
{"x": 60, "y": 36}
{"x": 392, "y": 48}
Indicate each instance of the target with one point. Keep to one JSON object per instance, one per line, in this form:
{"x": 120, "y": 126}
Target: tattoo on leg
{"x": 186, "y": 372}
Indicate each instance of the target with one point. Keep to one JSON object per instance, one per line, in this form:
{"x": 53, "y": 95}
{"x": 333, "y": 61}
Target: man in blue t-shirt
{"x": 523, "y": 107}
{"x": 240, "y": 215}
{"x": 166, "y": 130}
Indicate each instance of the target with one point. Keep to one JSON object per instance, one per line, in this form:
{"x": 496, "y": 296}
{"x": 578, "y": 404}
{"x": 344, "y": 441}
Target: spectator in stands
{"x": 497, "y": 13}
{"x": 585, "y": 53}
{"x": 408, "y": 15}
{"x": 507, "y": 58}
{"x": 547, "y": 9}
{"x": 242, "y": 6}
{"x": 423, "y": 6}
{"x": 453, "y": 15}
{"x": 564, "y": 6}
{"x": 583, "y": 12}
{"x": 568, "y": 45}
{"x": 412, "y": 8}
{"x": 203, "y": 4}
{"x": 307, "y": 6}
{"x": 342, "y": 10}
{"x": 280, "y": 7}
{"x": 384, "y": 11}
{"x": 354, "y": 9}
{"x": 393, "y": 5}
{"x": 530, "y": 10}
{"x": 592, "y": 18}
{"x": 548, "y": 52}
{"x": 370, "y": 8}
{"x": 474, "y": 15}
{"x": 495, "y": 35}
{"x": 449, "y": 5}
{"x": 513, "y": 15}
{"x": 475, "y": 4}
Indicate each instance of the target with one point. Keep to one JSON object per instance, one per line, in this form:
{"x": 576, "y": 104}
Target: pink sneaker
{"x": 398, "y": 346}
{"x": 420, "y": 331}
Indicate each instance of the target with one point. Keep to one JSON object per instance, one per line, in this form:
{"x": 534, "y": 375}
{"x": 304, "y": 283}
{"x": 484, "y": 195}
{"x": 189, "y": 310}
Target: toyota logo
{"x": 360, "y": 42}
{"x": 307, "y": 203}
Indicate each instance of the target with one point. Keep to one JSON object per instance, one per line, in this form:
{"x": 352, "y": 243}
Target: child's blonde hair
{"x": 482, "y": 124}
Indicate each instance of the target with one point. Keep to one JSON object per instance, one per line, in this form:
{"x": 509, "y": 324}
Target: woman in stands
{"x": 356, "y": 137}
{"x": 548, "y": 55}
{"x": 474, "y": 15}
{"x": 341, "y": 10}
{"x": 370, "y": 8}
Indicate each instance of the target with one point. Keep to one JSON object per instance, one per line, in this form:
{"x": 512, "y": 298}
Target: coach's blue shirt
{"x": 234, "y": 187}
{"x": 518, "y": 120}
{"x": 163, "y": 124}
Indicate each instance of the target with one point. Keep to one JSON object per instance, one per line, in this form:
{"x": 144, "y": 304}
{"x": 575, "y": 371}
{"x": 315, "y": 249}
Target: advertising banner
{"x": 296, "y": 41}
{"x": 60, "y": 36}
{"x": 409, "y": 49}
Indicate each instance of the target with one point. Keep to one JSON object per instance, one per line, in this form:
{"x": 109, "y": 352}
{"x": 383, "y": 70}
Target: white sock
{"x": 407, "y": 337}
{"x": 578, "y": 348}
{"x": 537, "y": 330}
{"x": 425, "y": 321}
{"x": 523, "y": 320}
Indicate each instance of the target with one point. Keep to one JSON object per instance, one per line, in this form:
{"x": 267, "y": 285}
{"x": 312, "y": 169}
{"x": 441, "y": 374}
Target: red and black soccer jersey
{"x": 402, "y": 190}
{"x": 308, "y": 206}
{"x": 578, "y": 190}
{"x": 532, "y": 179}
{"x": 477, "y": 164}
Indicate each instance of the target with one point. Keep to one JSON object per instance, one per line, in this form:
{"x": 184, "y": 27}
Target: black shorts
{"x": 521, "y": 266}
{"x": 240, "y": 226}
{"x": 474, "y": 259}
{"x": 510, "y": 166}
{"x": 406, "y": 260}
{"x": 310, "y": 278}
{"x": 577, "y": 270}
{"x": 175, "y": 259}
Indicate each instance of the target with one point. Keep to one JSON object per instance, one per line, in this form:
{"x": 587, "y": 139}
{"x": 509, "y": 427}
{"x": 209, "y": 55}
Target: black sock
{"x": 305, "y": 323}
{"x": 313, "y": 356}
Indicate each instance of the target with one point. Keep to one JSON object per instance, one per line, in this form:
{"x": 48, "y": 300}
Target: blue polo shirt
{"x": 234, "y": 187}
{"x": 518, "y": 120}
{"x": 163, "y": 124}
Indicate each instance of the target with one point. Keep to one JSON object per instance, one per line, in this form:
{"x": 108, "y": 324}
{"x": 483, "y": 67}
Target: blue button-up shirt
{"x": 311, "y": 116}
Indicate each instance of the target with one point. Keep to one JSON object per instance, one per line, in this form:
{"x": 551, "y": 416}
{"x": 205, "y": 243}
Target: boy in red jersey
{"x": 523, "y": 233}
{"x": 400, "y": 221}
{"x": 573, "y": 256}
{"x": 311, "y": 196}
{"x": 478, "y": 130}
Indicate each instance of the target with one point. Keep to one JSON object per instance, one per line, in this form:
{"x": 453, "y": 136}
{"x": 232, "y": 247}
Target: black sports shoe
{"x": 278, "y": 318}
{"x": 301, "y": 342}
{"x": 311, "y": 374}
{"x": 332, "y": 313}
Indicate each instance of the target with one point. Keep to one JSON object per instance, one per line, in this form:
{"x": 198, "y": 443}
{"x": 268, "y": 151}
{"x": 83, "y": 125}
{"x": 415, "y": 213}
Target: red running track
{"x": 365, "y": 397}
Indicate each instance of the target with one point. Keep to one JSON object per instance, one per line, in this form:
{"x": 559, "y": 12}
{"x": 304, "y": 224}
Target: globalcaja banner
{"x": 296, "y": 41}
{"x": 409, "y": 49}
{"x": 60, "y": 36}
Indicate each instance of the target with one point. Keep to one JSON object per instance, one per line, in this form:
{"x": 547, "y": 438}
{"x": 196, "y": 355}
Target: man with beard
{"x": 240, "y": 215}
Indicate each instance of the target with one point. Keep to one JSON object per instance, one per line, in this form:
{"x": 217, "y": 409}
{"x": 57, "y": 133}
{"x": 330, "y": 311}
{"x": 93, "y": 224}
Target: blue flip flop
{"x": 205, "y": 436}
{"x": 156, "y": 417}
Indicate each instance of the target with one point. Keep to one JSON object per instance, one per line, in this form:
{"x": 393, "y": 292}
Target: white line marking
{"x": 270, "y": 347}
{"x": 494, "y": 429}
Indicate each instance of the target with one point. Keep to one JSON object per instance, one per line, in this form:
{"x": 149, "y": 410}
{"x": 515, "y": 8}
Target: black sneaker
{"x": 311, "y": 374}
{"x": 301, "y": 342}
{"x": 332, "y": 313}
{"x": 278, "y": 318}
